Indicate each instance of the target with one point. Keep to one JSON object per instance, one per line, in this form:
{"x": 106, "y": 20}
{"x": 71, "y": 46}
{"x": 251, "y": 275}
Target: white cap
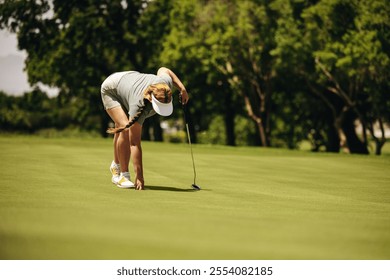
{"x": 163, "y": 109}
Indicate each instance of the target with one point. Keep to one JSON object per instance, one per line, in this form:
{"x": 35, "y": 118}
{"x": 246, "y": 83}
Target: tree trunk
{"x": 257, "y": 120}
{"x": 333, "y": 137}
{"x": 333, "y": 143}
{"x": 378, "y": 147}
{"x": 379, "y": 142}
{"x": 262, "y": 134}
{"x": 229, "y": 120}
{"x": 355, "y": 145}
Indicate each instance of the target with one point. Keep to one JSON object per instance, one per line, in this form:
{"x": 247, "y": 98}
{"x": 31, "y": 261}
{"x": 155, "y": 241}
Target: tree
{"x": 75, "y": 45}
{"x": 29, "y": 113}
{"x": 294, "y": 68}
{"x": 306, "y": 108}
{"x": 340, "y": 52}
{"x": 230, "y": 41}
{"x": 353, "y": 63}
{"x": 183, "y": 50}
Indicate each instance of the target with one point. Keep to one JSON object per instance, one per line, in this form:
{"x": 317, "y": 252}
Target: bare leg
{"x": 116, "y": 156}
{"x": 136, "y": 152}
{"x": 121, "y": 140}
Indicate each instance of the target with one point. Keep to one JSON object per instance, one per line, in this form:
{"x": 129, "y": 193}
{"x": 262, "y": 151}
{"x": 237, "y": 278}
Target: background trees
{"x": 270, "y": 73}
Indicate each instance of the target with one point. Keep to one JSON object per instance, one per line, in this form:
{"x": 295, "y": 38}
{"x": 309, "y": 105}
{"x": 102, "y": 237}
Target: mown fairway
{"x": 57, "y": 202}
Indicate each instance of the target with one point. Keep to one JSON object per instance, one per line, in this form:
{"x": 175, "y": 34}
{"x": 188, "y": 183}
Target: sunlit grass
{"x": 57, "y": 202}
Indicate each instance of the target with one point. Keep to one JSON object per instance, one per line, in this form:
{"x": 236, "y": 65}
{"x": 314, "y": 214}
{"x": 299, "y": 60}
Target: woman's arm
{"x": 176, "y": 82}
{"x": 136, "y": 155}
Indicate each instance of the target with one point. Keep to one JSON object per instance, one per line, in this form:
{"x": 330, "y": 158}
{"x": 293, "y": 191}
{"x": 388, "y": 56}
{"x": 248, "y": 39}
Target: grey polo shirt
{"x": 130, "y": 91}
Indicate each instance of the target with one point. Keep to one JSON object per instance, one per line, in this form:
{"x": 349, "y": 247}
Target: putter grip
{"x": 185, "y": 110}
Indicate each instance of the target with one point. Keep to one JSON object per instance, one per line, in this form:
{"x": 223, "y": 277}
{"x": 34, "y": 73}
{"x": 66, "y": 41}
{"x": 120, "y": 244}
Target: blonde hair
{"x": 162, "y": 92}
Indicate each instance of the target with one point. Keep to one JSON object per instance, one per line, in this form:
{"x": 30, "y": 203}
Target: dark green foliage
{"x": 296, "y": 70}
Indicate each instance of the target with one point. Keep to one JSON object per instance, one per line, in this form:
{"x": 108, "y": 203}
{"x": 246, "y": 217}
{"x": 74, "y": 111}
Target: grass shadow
{"x": 168, "y": 189}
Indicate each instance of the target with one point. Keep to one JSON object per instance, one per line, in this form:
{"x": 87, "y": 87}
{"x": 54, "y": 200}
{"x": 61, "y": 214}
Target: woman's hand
{"x": 184, "y": 96}
{"x": 139, "y": 184}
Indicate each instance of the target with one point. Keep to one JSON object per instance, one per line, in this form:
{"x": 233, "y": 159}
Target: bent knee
{"x": 121, "y": 124}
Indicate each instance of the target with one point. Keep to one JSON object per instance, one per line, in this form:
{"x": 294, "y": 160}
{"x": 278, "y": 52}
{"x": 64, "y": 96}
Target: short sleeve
{"x": 166, "y": 79}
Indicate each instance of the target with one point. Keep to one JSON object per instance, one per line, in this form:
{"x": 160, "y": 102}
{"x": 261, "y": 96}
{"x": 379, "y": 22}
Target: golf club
{"x": 194, "y": 185}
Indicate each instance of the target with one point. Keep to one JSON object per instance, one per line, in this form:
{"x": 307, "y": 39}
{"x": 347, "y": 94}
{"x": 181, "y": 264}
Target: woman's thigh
{"x": 118, "y": 115}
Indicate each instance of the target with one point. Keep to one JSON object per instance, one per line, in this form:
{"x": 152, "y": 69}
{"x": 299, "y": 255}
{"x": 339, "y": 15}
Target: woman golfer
{"x": 141, "y": 96}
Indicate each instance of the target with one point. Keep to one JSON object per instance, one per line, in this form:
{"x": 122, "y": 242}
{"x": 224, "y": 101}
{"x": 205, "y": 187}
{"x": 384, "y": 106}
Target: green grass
{"x": 57, "y": 202}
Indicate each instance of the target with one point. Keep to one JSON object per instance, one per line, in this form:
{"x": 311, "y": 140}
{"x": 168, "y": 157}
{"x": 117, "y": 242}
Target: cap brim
{"x": 163, "y": 109}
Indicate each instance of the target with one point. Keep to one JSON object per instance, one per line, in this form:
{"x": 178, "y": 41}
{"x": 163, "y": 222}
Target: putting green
{"x": 57, "y": 202}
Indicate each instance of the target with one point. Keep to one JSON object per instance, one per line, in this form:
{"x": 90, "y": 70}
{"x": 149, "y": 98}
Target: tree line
{"x": 259, "y": 72}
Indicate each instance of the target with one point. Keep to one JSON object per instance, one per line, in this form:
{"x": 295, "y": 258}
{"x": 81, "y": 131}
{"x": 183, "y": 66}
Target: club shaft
{"x": 192, "y": 155}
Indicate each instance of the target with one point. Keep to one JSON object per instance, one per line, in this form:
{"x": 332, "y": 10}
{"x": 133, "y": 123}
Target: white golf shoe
{"x": 115, "y": 171}
{"x": 123, "y": 181}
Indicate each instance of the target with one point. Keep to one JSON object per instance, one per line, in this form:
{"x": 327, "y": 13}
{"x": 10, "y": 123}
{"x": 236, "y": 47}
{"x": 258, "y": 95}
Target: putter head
{"x": 195, "y": 187}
